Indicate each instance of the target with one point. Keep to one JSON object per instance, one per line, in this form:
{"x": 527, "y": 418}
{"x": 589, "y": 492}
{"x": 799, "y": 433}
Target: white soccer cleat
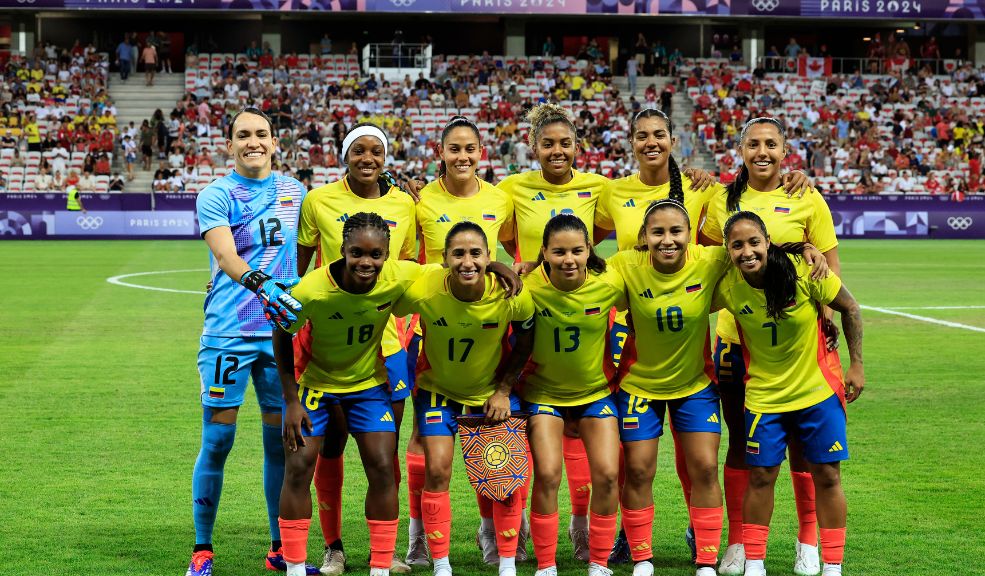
{"x": 486, "y": 539}
{"x": 705, "y": 571}
{"x": 579, "y": 540}
{"x": 734, "y": 561}
{"x": 549, "y": 571}
{"x": 442, "y": 568}
{"x": 808, "y": 561}
{"x": 417, "y": 551}
{"x": 333, "y": 563}
{"x": 755, "y": 568}
{"x": 831, "y": 570}
{"x": 598, "y": 570}
{"x": 643, "y": 568}
{"x": 379, "y": 572}
{"x": 522, "y": 538}
{"x": 398, "y": 566}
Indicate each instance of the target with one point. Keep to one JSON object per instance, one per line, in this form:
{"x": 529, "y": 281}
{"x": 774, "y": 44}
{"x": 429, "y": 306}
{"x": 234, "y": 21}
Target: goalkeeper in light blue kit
{"x": 249, "y": 221}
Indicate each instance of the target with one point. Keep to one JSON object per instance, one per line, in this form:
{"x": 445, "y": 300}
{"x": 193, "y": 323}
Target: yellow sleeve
{"x": 304, "y": 292}
{"x": 521, "y": 307}
{"x": 719, "y": 300}
{"x": 824, "y": 290}
{"x": 308, "y": 228}
{"x": 613, "y": 277}
{"x": 602, "y": 217}
{"x": 820, "y": 226}
{"x": 408, "y": 303}
{"x": 712, "y": 227}
{"x": 507, "y": 231}
{"x": 409, "y": 249}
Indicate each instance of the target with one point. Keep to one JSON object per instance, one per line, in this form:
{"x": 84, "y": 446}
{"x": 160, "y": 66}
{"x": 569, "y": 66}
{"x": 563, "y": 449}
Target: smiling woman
{"x": 251, "y": 143}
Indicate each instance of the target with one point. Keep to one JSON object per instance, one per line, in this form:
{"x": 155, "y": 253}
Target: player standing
{"x": 464, "y": 315}
{"x": 759, "y": 187}
{"x": 794, "y": 387}
{"x": 567, "y": 384}
{"x": 323, "y": 215}
{"x": 249, "y": 221}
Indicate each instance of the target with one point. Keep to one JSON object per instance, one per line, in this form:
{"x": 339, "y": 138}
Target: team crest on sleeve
{"x": 495, "y": 455}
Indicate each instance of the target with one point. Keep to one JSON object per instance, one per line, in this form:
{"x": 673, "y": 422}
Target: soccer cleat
{"x": 379, "y": 572}
{"x": 621, "y": 553}
{"x": 417, "y": 551}
{"x": 808, "y": 562}
{"x": 397, "y": 566}
{"x": 579, "y": 540}
{"x": 486, "y": 539}
{"x": 691, "y": 542}
{"x": 644, "y": 568}
{"x": 705, "y": 571}
{"x": 549, "y": 571}
{"x": 755, "y": 568}
{"x": 598, "y": 570}
{"x": 521, "y": 539}
{"x": 831, "y": 570}
{"x": 442, "y": 568}
{"x": 275, "y": 561}
{"x": 201, "y": 564}
{"x": 734, "y": 561}
{"x": 333, "y": 563}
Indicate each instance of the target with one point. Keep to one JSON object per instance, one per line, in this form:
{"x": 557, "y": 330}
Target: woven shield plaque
{"x": 495, "y": 454}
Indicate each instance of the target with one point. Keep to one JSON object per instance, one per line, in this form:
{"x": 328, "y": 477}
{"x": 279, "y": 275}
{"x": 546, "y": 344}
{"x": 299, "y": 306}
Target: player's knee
{"x": 547, "y": 480}
{"x": 379, "y": 473}
{"x": 639, "y": 473}
{"x": 703, "y": 472}
{"x": 826, "y": 476}
{"x": 605, "y": 481}
{"x": 761, "y": 478}
{"x": 438, "y": 475}
{"x": 217, "y": 441}
{"x": 270, "y": 416}
{"x": 297, "y": 473}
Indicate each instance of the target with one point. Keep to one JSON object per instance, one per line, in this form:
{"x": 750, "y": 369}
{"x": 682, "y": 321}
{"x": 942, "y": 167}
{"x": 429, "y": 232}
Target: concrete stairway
{"x": 136, "y": 102}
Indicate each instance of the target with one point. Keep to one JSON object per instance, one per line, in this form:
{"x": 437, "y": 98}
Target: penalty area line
{"x": 922, "y": 318}
{"x": 935, "y": 307}
{"x": 119, "y": 280}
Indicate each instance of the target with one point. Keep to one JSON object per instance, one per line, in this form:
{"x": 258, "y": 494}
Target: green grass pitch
{"x": 101, "y": 423}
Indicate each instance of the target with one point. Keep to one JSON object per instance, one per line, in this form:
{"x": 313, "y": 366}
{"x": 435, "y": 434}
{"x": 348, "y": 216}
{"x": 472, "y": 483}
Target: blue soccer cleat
{"x": 620, "y": 553}
{"x": 691, "y": 542}
{"x": 275, "y": 561}
{"x": 201, "y": 564}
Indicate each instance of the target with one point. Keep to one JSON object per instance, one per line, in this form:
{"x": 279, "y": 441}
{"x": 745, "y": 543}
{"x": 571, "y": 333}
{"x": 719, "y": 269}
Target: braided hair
{"x": 364, "y": 220}
{"x": 780, "y": 274}
{"x": 676, "y": 184}
{"x": 653, "y": 208}
{"x": 738, "y": 186}
{"x": 570, "y": 222}
{"x": 456, "y": 122}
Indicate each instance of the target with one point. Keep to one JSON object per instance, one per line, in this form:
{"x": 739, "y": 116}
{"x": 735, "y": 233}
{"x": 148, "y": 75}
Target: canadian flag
{"x": 813, "y": 67}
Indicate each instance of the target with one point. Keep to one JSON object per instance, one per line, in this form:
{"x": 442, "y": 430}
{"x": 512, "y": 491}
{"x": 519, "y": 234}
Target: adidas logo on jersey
{"x": 606, "y": 411}
{"x": 336, "y": 316}
{"x": 713, "y": 419}
{"x": 546, "y": 313}
{"x": 400, "y": 386}
{"x": 630, "y": 204}
{"x": 647, "y": 293}
{"x": 539, "y": 196}
{"x": 444, "y": 218}
{"x": 342, "y": 218}
{"x": 836, "y": 447}
{"x": 440, "y": 322}
{"x": 745, "y": 310}
{"x": 387, "y": 417}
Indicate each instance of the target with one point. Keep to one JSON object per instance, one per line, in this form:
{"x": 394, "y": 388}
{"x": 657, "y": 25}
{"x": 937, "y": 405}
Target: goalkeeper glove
{"x": 280, "y": 308}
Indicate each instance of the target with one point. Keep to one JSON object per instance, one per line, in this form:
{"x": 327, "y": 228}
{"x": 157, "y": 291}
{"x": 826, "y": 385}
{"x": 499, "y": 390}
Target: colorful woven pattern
{"x": 495, "y": 454}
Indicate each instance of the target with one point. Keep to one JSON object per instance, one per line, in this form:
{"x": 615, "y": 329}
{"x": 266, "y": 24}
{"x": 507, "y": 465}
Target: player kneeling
{"x": 464, "y": 317}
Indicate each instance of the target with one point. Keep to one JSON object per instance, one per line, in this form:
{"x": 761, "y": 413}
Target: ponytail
{"x": 676, "y": 184}
{"x": 735, "y": 189}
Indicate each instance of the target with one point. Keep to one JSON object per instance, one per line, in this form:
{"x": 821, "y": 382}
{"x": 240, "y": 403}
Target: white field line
{"x": 118, "y": 280}
{"x": 922, "y": 318}
{"x": 935, "y": 307}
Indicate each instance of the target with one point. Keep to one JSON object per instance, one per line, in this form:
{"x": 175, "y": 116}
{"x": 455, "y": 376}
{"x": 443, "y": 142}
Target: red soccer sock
{"x": 736, "y": 481}
{"x": 382, "y": 542}
{"x": 506, "y": 517}
{"x": 543, "y": 531}
{"x": 436, "y": 513}
{"x": 680, "y": 463}
{"x": 707, "y": 524}
{"x": 579, "y": 475}
{"x": 833, "y": 545}
{"x": 415, "y": 482}
{"x": 754, "y": 537}
{"x": 803, "y": 491}
{"x": 485, "y": 506}
{"x": 294, "y": 539}
{"x": 638, "y": 525}
{"x": 328, "y": 490}
{"x": 601, "y": 533}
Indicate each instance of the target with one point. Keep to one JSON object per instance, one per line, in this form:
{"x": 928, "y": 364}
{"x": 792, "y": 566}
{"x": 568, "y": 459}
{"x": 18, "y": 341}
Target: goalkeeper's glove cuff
{"x": 253, "y": 280}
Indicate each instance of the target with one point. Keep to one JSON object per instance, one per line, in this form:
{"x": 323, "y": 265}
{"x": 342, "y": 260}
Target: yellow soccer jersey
{"x": 625, "y": 200}
{"x": 325, "y": 210}
{"x": 535, "y": 201}
{"x": 463, "y": 341}
{"x": 438, "y": 211}
{"x": 571, "y": 363}
{"x": 346, "y": 329}
{"x": 804, "y": 219}
{"x": 788, "y": 366}
{"x": 327, "y": 207}
{"x": 670, "y": 356}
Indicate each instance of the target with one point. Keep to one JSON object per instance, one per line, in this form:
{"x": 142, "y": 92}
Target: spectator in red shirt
{"x": 102, "y": 165}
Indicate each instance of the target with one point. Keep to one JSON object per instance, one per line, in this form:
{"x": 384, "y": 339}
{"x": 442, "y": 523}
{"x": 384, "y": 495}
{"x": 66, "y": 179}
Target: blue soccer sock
{"x": 273, "y": 474}
{"x": 217, "y": 441}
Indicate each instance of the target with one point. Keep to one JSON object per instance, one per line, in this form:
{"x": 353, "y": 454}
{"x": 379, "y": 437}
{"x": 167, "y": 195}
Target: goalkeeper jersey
{"x": 263, "y": 218}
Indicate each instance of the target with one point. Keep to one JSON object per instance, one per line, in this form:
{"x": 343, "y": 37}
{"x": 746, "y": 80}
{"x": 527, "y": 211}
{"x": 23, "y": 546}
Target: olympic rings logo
{"x": 89, "y": 222}
{"x": 403, "y": 3}
{"x": 960, "y": 222}
{"x": 765, "y": 5}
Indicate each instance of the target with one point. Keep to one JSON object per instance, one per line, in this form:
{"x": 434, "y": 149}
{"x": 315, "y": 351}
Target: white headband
{"x": 363, "y": 131}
